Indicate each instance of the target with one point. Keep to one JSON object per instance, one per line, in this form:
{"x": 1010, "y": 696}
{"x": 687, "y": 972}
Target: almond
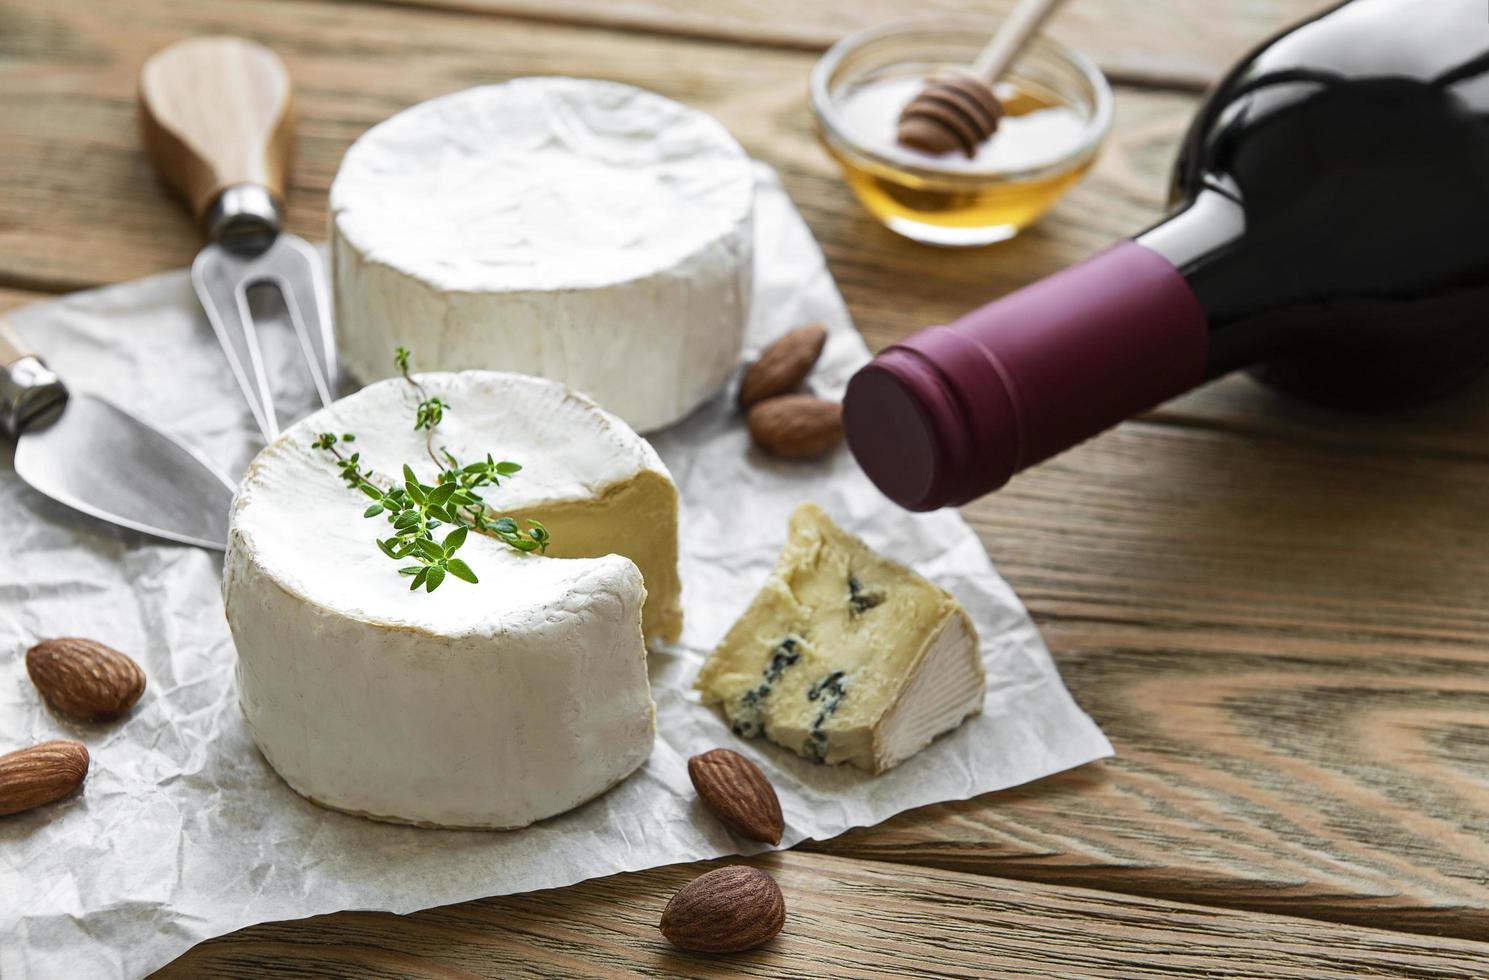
{"x": 83, "y": 679}
{"x": 41, "y": 774}
{"x": 725, "y": 911}
{"x": 796, "y": 426}
{"x": 784, "y": 365}
{"x": 738, "y": 793}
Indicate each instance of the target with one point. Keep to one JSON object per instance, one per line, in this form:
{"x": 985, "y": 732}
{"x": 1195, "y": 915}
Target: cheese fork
{"x": 217, "y": 118}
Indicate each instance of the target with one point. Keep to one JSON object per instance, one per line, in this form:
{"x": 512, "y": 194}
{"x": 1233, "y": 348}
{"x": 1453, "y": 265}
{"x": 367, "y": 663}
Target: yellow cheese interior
{"x": 636, "y": 518}
{"x": 828, "y": 645}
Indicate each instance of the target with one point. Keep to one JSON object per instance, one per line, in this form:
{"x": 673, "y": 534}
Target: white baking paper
{"x": 183, "y": 832}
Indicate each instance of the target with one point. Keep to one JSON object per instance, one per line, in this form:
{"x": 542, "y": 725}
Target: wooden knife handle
{"x": 12, "y": 348}
{"x": 217, "y": 111}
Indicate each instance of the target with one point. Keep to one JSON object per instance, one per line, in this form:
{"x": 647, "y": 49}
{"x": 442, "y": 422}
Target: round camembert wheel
{"x": 580, "y": 230}
{"x": 492, "y": 704}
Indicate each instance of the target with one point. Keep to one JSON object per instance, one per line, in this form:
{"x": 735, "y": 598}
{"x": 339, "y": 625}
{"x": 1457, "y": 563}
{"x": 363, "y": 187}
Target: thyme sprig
{"x": 430, "y": 411}
{"x": 419, "y": 511}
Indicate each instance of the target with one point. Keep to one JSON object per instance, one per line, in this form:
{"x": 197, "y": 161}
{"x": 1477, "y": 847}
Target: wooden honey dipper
{"x": 958, "y": 110}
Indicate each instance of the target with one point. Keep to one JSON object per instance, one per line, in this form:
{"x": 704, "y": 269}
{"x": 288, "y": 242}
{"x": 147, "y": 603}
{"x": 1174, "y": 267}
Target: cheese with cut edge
{"x": 844, "y": 655}
{"x": 487, "y": 705}
{"x": 580, "y": 230}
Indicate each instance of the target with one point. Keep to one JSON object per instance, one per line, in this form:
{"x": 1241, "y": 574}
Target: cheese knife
{"x": 91, "y": 455}
{"x": 218, "y": 119}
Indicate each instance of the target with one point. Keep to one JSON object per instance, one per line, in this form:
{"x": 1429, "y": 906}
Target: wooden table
{"x": 1279, "y": 615}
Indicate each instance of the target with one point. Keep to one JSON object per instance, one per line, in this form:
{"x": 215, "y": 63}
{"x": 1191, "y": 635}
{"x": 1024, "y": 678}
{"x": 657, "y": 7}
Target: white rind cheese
{"x": 478, "y": 705}
{"x": 585, "y": 231}
{"x": 846, "y": 656}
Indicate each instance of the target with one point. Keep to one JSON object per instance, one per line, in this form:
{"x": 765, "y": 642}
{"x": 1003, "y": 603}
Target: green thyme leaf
{"x": 418, "y": 510}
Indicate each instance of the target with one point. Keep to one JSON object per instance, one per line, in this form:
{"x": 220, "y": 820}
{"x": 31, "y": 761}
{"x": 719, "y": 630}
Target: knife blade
{"x": 87, "y": 453}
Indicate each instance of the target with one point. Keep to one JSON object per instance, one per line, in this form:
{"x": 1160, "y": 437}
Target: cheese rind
{"x": 486, "y": 705}
{"x": 844, "y": 655}
{"x": 580, "y": 230}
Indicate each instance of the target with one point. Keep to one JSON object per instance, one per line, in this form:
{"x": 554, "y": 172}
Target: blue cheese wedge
{"x": 845, "y": 655}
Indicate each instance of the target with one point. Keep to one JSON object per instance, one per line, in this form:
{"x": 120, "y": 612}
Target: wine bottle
{"x": 1330, "y": 232}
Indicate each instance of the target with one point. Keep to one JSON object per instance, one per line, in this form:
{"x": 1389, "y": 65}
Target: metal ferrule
{"x": 245, "y": 217}
{"x": 28, "y": 391}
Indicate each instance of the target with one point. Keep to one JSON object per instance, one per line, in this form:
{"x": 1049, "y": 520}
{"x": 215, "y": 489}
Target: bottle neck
{"x": 953, "y": 412}
{"x": 1199, "y": 234}
{"x": 1206, "y": 242}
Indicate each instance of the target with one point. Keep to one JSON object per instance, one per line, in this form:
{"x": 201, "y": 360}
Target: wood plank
{"x": 14, "y": 299}
{"x": 1456, "y": 426}
{"x": 1167, "y": 42}
{"x": 844, "y": 918}
{"x": 1288, "y": 646}
{"x": 1173, "y": 529}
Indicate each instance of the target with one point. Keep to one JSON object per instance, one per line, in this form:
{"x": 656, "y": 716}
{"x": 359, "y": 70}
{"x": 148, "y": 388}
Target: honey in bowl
{"x": 1037, "y": 129}
{"x": 1058, "y": 111}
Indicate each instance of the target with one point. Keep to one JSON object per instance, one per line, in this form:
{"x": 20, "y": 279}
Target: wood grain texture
{"x": 1285, "y": 643}
{"x": 1157, "y": 42}
{"x": 14, "y": 299}
{"x": 843, "y": 919}
{"x": 215, "y": 112}
{"x": 1456, "y": 427}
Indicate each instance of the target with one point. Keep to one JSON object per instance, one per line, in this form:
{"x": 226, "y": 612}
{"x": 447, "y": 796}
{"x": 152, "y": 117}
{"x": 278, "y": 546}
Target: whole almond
{"x": 796, "y": 426}
{"x": 738, "y": 793}
{"x": 725, "y": 911}
{"x": 41, "y": 774}
{"x": 83, "y": 679}
{"x": 784, "y": 365}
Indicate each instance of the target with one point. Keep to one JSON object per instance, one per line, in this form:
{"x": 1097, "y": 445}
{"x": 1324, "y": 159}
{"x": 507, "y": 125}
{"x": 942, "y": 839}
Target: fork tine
{"x": 250, "y": 336}
{"x": 216, "y": 274}
{"x": 299, "y": 271}
{"x": 307, "y": 345}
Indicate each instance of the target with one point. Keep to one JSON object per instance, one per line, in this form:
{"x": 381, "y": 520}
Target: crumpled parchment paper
{"x": 183, "y": 832}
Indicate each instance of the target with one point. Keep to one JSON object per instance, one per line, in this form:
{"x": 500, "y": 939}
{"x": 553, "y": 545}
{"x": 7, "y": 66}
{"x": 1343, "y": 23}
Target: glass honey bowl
{"x": 1058, "y": 109}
